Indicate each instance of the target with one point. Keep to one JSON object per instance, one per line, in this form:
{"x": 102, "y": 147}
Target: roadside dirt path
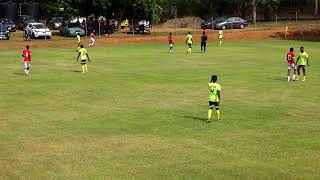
{"x": 234, "y": 35}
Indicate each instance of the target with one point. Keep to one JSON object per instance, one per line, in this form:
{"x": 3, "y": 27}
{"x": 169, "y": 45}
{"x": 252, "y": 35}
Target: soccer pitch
{"x": 140, "y": 113}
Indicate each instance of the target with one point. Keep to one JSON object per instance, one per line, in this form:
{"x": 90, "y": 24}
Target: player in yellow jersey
{"x": 189, "y": 42}
{"x": 302, "y": 61}
{"x": 78, "y": 38}
{"x": 220, "y": 37}
{"x": 214, "y": 97}
{"x": 83, "y": 55}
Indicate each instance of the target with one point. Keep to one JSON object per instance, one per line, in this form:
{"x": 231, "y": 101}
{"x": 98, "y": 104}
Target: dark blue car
{"x": 225, "y": 23}
{"x": 9, "y": 24}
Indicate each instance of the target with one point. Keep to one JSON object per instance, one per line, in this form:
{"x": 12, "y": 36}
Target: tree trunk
{"x": 119, "y": 19}
{"x": 254, "y": 11}
{"x": 316, "y": 8}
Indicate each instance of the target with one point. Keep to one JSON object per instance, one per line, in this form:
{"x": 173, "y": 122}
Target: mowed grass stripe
{"x": 139, "y": 113}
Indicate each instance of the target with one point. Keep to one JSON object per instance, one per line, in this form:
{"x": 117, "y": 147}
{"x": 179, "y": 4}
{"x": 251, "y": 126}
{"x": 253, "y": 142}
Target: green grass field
{"x": 140, "y": 114}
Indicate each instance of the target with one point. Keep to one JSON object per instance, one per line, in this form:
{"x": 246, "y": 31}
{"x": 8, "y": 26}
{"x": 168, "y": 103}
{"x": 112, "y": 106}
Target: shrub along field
{"x": 140, "y": 113}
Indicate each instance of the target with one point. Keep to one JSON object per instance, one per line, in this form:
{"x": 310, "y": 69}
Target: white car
{"x": 76, "y": 19}
{"x": 38, "y": 30}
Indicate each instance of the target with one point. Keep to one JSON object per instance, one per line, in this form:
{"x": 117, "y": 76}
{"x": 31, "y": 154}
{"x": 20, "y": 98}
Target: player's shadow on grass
{"x": 20, "y": 74}
{"x": 279, "y": 79}
{"x": 75, "y": 71}
{"x": 196, "y": 118}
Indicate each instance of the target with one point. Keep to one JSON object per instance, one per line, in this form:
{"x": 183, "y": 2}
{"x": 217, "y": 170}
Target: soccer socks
{"x": 209, "y": 114}
{"x": 289, "y": 78}
{"x": 294, "y": 77}
{"x": 83, "y": 68}
{"x": 220, "y": 42}
{"x": 218, "y": 114}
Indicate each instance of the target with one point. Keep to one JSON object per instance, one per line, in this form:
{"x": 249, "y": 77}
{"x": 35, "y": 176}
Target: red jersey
{"x": 92, "y": 34}
{"x": 170, "y": 39}
{"x": 290, "y": 58}
{"x": 27, "y": 55}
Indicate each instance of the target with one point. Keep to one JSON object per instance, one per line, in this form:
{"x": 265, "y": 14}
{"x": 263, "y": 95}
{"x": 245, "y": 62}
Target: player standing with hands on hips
{"x": 302, "y": 61}
{"x": 83, "y": 54}
{"x": 26, "y": 54}
{"x": 214, "y": 97}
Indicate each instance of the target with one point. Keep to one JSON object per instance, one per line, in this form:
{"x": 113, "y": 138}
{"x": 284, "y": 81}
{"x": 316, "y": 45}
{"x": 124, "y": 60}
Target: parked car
{"x": 209, "y": 24}
{"x": 141, "y": 27}
{"x": 24, "y": 20}
{"x": 225, "y": 23}
{"x": 38, "y": 30}
{"x": 71, "y": 30}
{"x": 55, "y": 22}
{"x": 4, "y": 32}
{"x": 8, "y": 23}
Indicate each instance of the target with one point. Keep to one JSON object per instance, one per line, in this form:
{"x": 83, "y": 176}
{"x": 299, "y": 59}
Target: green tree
{"x": 51, "y": 7}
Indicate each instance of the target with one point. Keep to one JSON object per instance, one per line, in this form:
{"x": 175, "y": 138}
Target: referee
{"x": 204, "y": 39}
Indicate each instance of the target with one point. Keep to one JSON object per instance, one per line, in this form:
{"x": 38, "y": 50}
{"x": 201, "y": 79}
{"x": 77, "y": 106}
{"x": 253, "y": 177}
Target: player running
{"x": 91, "y": 39}
{"x": 26, "y": 54}
{"x": 291, "y": 65}
{"x": 302, "y": 61}
{"x": 220, "y": 37}
{"x": 83, "y": 54}
{"x": 214, "y": 97}
{"x": 204, "y": 39}
{"x": 189, "y": 42}
{"x": 170, "y": 40}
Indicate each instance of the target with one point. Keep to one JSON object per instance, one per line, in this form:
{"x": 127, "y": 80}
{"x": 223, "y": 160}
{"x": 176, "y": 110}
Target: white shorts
{"x": 92, "y": 40}
{"x": 26, "y": 64}
{"x": 171, "y": 45}
{"x": 291, "y": 66}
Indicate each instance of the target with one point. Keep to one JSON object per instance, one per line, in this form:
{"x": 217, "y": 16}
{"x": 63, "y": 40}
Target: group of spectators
{"x": 106, "y": 26}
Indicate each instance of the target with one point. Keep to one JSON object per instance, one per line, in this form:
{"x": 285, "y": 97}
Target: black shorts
{"x": 190, "y": 45}
{"x": 301, "y": 66}
{"x": 83, "y": 61}
{"x": 214, "y": 104}
{"x": 203, "y": 43}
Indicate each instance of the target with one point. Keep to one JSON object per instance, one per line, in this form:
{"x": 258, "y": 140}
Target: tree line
{"x": 155, "y": 10}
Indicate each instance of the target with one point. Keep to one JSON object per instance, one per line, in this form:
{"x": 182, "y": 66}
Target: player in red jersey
{"x": 170, "y": 39}
{"x": 91, "y": 39}
{"x": 26, "y": 54}
{"x": 291, "y": 65}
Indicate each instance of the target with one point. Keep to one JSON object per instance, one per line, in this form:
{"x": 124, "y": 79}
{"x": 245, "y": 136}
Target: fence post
{"x": 285, "y": 35}
{"x": 195, "y": 24}
{"x": 86, "y": 33}
{"x": 99, "y": 29}
{"x": 133, "y": 29}
{"x": 45, "y": 30}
